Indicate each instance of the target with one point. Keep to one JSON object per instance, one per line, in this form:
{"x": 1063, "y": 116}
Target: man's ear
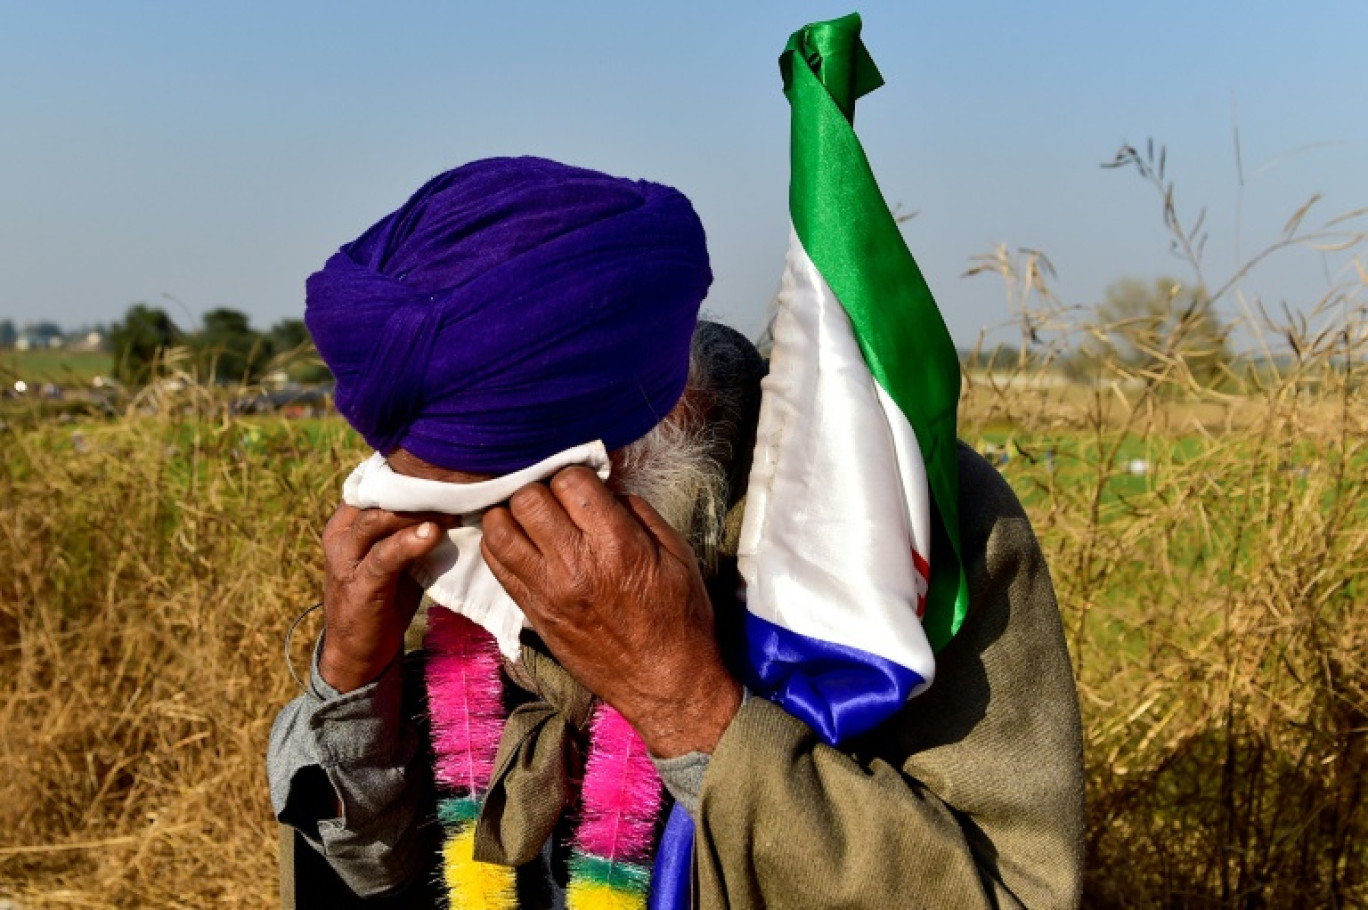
{"x": 730, "y": 368}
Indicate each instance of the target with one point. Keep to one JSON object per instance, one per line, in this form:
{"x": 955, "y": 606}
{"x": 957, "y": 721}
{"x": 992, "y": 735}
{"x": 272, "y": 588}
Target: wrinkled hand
{"x": 369, "y": 598}
{"x": 617, "y": 596}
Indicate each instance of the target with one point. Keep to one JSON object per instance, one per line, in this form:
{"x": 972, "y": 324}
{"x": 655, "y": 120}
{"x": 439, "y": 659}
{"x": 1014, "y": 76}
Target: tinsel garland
{"x": 613, "y": 846}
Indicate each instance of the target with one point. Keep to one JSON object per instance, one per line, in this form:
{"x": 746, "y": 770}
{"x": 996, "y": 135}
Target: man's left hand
{"x": 617, "y": 596}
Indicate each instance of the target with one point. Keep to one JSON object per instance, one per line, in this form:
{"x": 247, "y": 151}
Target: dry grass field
{"x": 1213, "y": 573}
{"x": 1206, "y": 522}
{"x": 1208, "y": 538}
{"x": 150, "y": 565}
{"x": 150, "y": 568}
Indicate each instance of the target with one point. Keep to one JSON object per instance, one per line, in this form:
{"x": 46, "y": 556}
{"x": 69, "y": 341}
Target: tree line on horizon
{"x": 1139, "y": 326}
{"x": 224, "y": 349}
{"x": 1148, "y": 321}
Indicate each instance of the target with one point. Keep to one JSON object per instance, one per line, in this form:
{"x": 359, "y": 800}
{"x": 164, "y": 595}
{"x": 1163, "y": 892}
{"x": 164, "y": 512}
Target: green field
{"x": 59, "y": 367}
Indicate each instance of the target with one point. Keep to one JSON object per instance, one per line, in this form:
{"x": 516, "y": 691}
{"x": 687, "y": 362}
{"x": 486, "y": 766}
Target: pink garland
{"x": 610, "y": 863}
{"x": 621, "y": 794}
{"x": 465, "y": 699}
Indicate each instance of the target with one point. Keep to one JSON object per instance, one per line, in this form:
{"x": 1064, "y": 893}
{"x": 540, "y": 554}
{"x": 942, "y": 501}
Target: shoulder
{"x": 984, "y": 496}
{"x": 996, "y": 537}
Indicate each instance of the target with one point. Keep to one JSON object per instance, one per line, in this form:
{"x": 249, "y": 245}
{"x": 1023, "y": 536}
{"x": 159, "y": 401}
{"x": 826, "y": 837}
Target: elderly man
{"x": 512, "y": 310}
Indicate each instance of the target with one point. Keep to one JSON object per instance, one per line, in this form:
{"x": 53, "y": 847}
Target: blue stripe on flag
{"x": 836, "y": 690}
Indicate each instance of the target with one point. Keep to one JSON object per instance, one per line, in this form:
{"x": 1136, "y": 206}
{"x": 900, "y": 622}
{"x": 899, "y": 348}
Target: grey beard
{"x": 672, "y": 467}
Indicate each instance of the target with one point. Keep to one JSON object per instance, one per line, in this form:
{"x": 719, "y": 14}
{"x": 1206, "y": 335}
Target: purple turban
{"x": 514, "y": 307}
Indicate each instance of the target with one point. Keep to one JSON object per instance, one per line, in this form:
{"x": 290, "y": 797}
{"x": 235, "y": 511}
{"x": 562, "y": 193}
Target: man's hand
{"x": 369, "y": 598}
{"x": 617, "y": 596}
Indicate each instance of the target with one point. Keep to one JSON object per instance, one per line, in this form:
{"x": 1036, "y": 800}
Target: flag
{"x": 850, "y": 543}
{"x": 856, "y": 471}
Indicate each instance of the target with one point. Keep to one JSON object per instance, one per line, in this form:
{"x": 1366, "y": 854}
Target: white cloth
{"x": 454, "y": 574}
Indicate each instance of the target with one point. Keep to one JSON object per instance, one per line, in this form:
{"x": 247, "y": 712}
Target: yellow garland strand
{"x": 475, "y": 886}
{"x": 598, "y": 896}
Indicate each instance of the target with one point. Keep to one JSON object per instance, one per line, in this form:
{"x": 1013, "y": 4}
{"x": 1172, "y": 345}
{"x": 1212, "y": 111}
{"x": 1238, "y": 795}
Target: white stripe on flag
{"x": 838, "y": 493}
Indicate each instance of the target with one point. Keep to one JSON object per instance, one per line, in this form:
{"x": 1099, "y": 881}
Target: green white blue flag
{"x": 850, "y": 543}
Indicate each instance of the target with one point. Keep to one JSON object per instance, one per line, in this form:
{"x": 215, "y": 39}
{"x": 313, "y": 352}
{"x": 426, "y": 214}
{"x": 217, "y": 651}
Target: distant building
{"x": 89, "y": 341}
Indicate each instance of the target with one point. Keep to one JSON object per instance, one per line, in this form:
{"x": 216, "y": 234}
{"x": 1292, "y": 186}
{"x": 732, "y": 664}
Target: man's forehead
{"x": 410, "y": 465}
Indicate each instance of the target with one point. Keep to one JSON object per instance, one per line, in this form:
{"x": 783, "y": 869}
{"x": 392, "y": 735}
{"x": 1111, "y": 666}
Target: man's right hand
{"x": 369, "y": 598}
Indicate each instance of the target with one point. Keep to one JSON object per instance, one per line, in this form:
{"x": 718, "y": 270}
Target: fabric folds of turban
{"x": 514, "y": 307}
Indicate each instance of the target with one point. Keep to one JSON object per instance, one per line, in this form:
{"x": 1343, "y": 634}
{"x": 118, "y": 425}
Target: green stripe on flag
{"x": 850, "y": 235}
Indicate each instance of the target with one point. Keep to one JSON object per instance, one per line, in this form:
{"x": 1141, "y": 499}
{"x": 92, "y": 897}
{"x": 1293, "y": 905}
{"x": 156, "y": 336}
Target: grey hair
{"x": 692, "y": 466}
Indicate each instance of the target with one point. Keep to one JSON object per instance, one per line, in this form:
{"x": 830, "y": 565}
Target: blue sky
{"x": 218, "y": 153}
